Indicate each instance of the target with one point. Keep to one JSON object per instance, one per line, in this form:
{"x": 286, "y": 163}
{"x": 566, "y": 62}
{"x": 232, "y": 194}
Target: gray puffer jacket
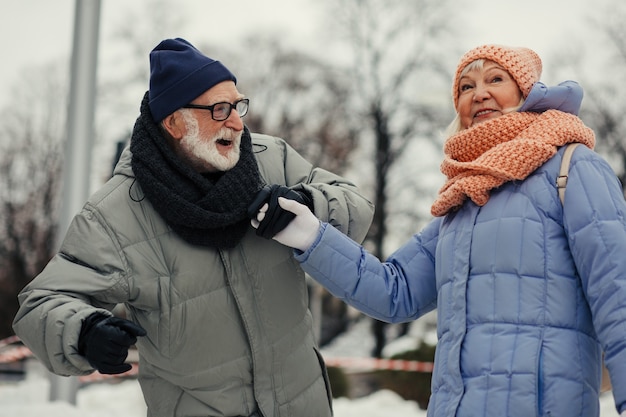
{"x": 228, "y": 330}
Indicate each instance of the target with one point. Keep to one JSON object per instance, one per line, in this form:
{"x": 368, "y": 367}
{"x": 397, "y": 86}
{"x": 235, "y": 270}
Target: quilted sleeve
{"x": 594, "y": 214}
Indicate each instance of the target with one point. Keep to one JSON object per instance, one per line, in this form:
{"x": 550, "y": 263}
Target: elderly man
{"x": 219, "y": 312}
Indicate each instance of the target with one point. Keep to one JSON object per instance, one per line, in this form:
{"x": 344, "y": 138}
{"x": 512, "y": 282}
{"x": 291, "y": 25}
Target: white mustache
{"x": 227, "y": 134}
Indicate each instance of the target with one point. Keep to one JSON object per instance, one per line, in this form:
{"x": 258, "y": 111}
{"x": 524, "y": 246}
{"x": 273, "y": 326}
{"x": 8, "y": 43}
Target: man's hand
{"x": 104, "y": 341}
{"x": 301, "y": 232}
{"x": 275, "y": 218}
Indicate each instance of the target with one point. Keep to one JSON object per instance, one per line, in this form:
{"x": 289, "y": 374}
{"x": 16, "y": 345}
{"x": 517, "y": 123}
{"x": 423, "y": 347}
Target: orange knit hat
{"x": 523, "y": 64}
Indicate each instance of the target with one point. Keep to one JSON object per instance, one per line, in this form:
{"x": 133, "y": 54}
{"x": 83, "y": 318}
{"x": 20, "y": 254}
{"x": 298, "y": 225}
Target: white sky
{"x": 38, "y": 31}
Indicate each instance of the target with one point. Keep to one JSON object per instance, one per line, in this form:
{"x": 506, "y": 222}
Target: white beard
{"x": 202, "y": 153}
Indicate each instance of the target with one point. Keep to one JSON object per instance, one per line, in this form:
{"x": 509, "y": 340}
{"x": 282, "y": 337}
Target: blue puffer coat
{"x": 528, "y": 293}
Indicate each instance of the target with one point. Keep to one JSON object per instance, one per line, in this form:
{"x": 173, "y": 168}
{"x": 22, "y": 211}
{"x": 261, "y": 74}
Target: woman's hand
{"x": 301, "y": 232}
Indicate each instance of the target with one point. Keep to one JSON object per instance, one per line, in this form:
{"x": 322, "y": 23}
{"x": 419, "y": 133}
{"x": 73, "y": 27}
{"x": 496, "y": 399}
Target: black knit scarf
{"x": 201, "y": 211}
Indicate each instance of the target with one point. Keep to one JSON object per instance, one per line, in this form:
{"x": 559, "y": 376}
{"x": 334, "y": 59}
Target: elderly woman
{"x": 529, "y": 291}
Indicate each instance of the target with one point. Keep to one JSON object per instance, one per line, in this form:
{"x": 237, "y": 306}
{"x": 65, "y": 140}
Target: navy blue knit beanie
{"x": 179, "y": 73}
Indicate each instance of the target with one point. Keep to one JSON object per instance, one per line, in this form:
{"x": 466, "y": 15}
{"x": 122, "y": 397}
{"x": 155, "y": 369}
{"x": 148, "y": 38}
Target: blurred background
{"x": 359, "y": 87}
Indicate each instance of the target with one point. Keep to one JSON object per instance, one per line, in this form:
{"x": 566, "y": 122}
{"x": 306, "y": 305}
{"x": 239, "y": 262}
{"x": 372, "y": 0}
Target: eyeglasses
{"x": 221, "y": 111}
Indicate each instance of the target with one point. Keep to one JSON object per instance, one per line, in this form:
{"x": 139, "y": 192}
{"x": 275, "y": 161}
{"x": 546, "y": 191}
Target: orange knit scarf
{"x": 511, "y": 147}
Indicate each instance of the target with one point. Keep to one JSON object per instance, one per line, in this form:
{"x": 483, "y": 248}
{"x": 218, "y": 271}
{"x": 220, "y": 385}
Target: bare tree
{"x": 607, "y": 97}
{"x": 32, "y": 133}
{"x": 397, "y": 68}
{"x": 600, "y": 70}
{"x": 121, "y": 87}
{"x": 31, "y": 136}
{"x": 297, "y": 97}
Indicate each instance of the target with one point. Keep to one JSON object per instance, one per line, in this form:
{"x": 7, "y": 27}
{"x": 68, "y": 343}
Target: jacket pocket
{"x": 152, "y": 311}
{"x": 329, "y": 392}
{"x": 540, "y": 382}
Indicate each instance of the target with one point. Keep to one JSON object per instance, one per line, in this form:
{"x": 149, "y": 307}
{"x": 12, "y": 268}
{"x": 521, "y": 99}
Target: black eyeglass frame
{"x": 242, "y": 111}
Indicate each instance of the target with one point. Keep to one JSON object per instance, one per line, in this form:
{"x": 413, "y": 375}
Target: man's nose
{"x": 234, "y": 121}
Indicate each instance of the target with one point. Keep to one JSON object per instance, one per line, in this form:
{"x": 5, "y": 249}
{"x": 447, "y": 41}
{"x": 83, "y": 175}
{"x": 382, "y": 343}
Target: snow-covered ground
{"x": 29, "y": 398}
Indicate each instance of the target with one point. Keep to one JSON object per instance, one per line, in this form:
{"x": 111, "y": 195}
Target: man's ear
{"x": 175, "y": 125}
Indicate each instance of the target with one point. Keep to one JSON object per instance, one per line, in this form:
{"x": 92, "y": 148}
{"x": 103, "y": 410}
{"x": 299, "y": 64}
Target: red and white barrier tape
{"x": 20, "y": 352}
{"x": 9, "y": 341}
{"x": 98, "y": 377}
{"x": 15, "y": 354}
{"x": 380, "y": 364}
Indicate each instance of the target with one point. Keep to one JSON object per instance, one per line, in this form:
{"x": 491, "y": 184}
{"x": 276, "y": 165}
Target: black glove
{"x": 276, "y": 219}
{"x": 104, "y": 341}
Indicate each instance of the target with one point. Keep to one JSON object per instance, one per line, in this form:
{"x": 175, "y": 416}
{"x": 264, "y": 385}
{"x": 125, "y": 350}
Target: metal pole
{"x": 78, "y": 148}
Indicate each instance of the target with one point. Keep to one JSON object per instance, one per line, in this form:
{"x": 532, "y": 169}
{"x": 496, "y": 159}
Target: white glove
{"x": 301, "y": 232}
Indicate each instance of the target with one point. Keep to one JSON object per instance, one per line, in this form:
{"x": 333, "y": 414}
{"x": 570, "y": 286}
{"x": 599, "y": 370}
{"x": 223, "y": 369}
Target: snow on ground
{"x": 29, "y": 397}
